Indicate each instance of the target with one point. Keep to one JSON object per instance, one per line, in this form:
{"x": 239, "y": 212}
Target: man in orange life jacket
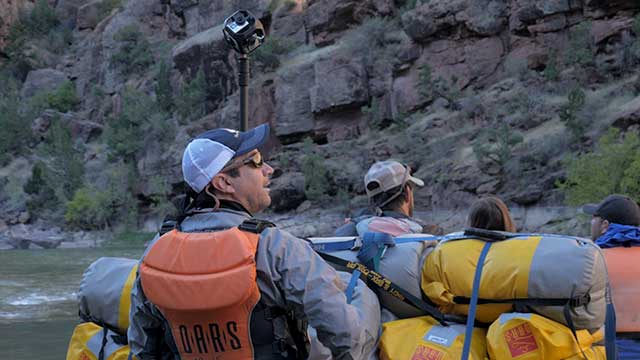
{"x": 615, "y": 228}
{"x": 224, "y": 285}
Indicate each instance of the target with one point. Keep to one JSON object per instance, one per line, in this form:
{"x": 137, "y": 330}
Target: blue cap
{"x": 207, "y": 154}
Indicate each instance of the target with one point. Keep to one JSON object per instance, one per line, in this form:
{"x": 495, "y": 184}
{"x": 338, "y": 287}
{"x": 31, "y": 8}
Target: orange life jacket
{"x": 204, "y": 283}
{"x": 623, "y": 265}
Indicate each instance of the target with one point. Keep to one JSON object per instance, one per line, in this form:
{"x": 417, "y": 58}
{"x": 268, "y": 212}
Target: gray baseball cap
{"x": 386, "y": 175}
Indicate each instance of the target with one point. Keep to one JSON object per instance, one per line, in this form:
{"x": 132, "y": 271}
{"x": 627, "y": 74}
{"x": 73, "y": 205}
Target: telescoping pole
{"x": 243, "y": 81}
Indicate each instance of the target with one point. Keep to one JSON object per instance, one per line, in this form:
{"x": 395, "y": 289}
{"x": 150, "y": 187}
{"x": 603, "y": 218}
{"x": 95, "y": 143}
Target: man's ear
{"x": 222, "y": 184}
{"x": 604, "y": 226}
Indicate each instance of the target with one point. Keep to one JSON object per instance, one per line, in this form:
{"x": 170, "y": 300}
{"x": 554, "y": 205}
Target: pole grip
{"x": 243, "y": 81}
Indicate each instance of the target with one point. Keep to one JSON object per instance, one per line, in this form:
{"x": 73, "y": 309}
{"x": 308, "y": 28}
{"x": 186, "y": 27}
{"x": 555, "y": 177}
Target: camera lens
{"x": 240, "y": 19}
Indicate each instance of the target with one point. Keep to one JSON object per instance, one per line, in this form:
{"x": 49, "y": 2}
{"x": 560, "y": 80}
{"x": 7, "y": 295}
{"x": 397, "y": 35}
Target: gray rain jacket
{"x": 290, "y": 275}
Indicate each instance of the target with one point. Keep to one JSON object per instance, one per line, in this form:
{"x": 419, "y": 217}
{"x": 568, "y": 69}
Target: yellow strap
{"x": 125, "y": 300}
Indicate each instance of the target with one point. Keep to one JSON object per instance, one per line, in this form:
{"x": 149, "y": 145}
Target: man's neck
{"x": 233, "y": 205}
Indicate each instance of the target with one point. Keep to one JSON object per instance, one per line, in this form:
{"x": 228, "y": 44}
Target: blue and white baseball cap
{"x": 207, "y": 154}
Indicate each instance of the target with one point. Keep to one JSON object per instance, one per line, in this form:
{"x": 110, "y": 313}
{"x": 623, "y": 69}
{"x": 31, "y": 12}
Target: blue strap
{"x": 373, "y": 244}
{"x": 352, "y": 285}
{"x": 610, "y": 328}
{"x": 417, "y": 238}
{"x": 474, "y": 301}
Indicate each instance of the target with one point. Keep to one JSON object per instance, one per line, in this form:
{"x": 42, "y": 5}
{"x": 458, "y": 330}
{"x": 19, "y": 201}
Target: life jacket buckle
{"x": 280, "y": 347}
{"x": 168, "y": 224}
{"x": 255, "y": 226}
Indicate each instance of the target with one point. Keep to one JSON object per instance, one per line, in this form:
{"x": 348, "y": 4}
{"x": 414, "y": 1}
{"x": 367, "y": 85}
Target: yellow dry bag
{"x": 423, "y": 338}
{"x": 526, "y": 336}
{"x": 87, "y": 341}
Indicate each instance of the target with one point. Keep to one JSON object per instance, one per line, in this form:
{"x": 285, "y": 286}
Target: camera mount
{"x": 244, "y": 33}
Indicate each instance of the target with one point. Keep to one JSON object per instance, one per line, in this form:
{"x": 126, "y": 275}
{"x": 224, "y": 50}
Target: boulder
{"x": 293, "y": 101}
{"x": 628, "y": 116}
{"x": 207, "y": 51}
{"x": 287, "y": 191}
{"x": 345, "y": 88}
{"x": 288, "y": 23}
{"x": 204, "y": 14}
{"x": 483, "y": 17}
{"x": 89, "y": 15}
{"x": 462, "y": 61}
{"x": 528, "y": 12}
{"x": 601, "y": 30}
{"x": 549, "y": 24}
{"x": 326, "y": 19}
{"x": 67, "y": 10}
{"x": 486, "y": 17}
{"x": 22, "y": 236}
{"x": 42, "y": 80}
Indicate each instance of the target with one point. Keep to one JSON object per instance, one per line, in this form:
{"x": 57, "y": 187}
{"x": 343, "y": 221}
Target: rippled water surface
{"x": 38, "y": 290}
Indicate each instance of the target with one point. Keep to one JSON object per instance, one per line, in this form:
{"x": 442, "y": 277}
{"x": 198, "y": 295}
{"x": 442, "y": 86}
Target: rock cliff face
{"x": 368, "y": 80}
{"x": 9, "y": 13}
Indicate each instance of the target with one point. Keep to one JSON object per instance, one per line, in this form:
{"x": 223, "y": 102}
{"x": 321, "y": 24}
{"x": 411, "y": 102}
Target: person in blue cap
{"x": 615, "y": 228}
{"x": 223, "y": 284}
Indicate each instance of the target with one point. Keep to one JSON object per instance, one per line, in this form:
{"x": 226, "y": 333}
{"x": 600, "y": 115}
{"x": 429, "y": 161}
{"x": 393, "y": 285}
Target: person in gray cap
{"x": 615, "y": 228}
{"x": 389, "y": 186}
{"x": 614, "y": 221}
{"x": 222, "y": 284}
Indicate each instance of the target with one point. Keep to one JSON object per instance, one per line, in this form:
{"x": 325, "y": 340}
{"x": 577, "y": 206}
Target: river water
{"x": 38, "y": 306}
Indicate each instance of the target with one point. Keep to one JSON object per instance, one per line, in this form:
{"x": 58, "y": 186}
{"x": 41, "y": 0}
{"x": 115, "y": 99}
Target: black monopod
{"x": 244, "y": 33}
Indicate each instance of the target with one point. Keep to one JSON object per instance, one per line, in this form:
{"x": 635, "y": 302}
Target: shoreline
{"x": 302, "y": 223}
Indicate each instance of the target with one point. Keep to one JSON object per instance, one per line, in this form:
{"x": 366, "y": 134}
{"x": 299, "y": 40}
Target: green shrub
{"x": 41, "y": 26}
{"x": 493, "y": 147}
{"x": 42, "y": 202}
{"x": 87, "y": 209}
{"x": 16, "y": 132}
{"x": 579, "y": 51}
{"x": 268, "y": 55}
{"x": 613, "y": 167}
{"x": 41, "y": 19}
{"x": 570, "y": 114}
{"x": 191, "y": 102}
{"x": 376, "y": 121}
{"x": 64, "y": 99}
{"x": 139, "y": 121}
{"x": 106, "y": 206}
{"x": 164, "y": 92}
{"x": 432, "y": 88}
{"x": 374, "y": 40}
{"x": 316, "y": 175}
{"x": 160, "y": 191}
{"x": 551, "y": 72}
{"x": 63, "y": 159}
{"x": 134, "y": 55}
{"x": 55, "y": 179}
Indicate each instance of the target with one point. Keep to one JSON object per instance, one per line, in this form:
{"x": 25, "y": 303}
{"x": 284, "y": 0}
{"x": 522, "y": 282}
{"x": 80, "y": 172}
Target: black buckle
{"x": 280, "y": 347}
{"x": 580, "y": 301}
{"x": 271, "y": 313}
{"x": 168, "y": 224}
{"x": 255, "y": 226}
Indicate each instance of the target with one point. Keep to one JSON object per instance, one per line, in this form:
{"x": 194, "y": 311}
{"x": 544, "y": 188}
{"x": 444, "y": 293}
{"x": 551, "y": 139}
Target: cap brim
{"x": 416, "y": 181}
{"x": 590, "y": 209}
{"x": 253, "y": 139}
